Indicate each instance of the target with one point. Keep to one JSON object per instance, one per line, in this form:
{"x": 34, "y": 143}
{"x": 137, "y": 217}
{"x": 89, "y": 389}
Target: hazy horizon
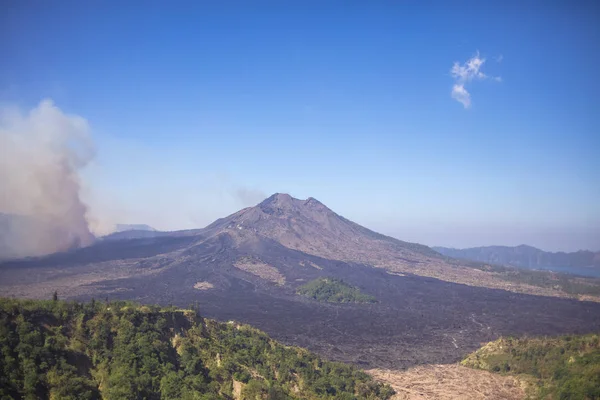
{"x": 430, "y": 124}
{"x": 441, "y": 237}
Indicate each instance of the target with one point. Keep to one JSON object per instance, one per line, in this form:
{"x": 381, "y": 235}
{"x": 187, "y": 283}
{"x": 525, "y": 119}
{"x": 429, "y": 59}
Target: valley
{"x": 249, "y": 266}
{"x": 158, "y": 235}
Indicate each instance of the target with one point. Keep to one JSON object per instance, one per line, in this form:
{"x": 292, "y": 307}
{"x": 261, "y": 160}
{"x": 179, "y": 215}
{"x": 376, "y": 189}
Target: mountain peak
{"x": 283, "y": 203}
{"x": 311, "y": 227}
{"x": 284, "y": 198}
{"x": 315, "y": 204}
{"x": 278, "y": 198}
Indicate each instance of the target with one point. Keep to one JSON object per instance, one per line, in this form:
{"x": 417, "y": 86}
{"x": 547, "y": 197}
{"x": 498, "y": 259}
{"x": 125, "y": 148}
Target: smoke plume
{"x": 41, "y": 154}
{"x": 249, "y": 196}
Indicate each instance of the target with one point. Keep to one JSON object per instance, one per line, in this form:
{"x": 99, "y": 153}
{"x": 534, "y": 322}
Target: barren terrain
{"x": 252, "y": 277}
{"x": 452, "y": 382}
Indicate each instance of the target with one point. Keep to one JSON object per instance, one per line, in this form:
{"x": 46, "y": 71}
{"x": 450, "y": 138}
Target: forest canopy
{"x": 122, "y": 350}
{"x": 333, "y": 290}
{"x": 566, "y": 367}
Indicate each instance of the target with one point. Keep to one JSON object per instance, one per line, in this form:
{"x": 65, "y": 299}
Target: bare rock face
{"x": 309, "y": 226}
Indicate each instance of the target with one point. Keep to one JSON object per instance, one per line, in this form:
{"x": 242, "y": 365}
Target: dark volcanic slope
{"x": 247, "y": 267}
{"x": 524, "y": 256}
{"x": 311, "y": 227}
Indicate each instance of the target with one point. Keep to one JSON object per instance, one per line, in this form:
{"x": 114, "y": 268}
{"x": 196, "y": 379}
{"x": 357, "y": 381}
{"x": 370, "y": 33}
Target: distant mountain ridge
{"x": 524, "y": 256}
{"x": 133, "y": 227}
{"x": 133, "y": 231}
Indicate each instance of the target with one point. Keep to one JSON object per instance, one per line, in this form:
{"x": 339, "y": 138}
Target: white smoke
{"x": 41, "y": 154}
{"x": 248, "y": 196}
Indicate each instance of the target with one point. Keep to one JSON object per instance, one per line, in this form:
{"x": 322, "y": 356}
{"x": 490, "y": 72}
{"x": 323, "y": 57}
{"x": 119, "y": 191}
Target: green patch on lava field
{"x": 333, "y": 290}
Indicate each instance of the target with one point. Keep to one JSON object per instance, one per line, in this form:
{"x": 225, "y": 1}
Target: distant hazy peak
{"x": 524, "y": 256}
{"x": 133, "y": 227}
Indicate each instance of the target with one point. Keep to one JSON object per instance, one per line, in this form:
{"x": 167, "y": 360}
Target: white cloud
{"x": 460, "y": 93}
{"x": 466, "y": 73}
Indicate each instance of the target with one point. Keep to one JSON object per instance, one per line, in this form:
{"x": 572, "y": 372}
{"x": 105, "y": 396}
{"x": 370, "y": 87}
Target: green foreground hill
{"x": 566, "y": 367}
{"x": 333, "y": 290}
{"x": 121, "y": 350}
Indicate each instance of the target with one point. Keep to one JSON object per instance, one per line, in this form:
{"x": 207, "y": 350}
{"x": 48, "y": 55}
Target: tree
{"x": 59, "y": 350}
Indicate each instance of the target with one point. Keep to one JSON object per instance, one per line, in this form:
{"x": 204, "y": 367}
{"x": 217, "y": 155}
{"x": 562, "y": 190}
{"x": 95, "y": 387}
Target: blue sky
{"x": 200, "y": 108}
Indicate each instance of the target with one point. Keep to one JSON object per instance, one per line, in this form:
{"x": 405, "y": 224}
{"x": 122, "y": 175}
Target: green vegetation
{"x": 566, "y": 367}
{"x": 566, "y": 283}
{"x": 334, "y": 290}
{"x": 121, "y": 350}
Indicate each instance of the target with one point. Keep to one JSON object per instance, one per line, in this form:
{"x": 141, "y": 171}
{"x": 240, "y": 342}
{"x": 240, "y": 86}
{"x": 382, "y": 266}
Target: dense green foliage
{"x": 567, "y": 367}
{"x": 120, "y": 350}
{"x": 333, "y": 290}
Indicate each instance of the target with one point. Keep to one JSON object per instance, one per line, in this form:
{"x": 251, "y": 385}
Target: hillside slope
{"x": 549, "y": 368}
{"x": 565, "y": 367}
{"x": 524, "y": 256}
{"x": 450, "y": 382}
{"x": 118, "y": 350}
{"x": 311, "y": 227}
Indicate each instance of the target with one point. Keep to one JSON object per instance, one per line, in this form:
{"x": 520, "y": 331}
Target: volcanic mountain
{"x": 249, "y": 267}
{"x": 309, "y": 226}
